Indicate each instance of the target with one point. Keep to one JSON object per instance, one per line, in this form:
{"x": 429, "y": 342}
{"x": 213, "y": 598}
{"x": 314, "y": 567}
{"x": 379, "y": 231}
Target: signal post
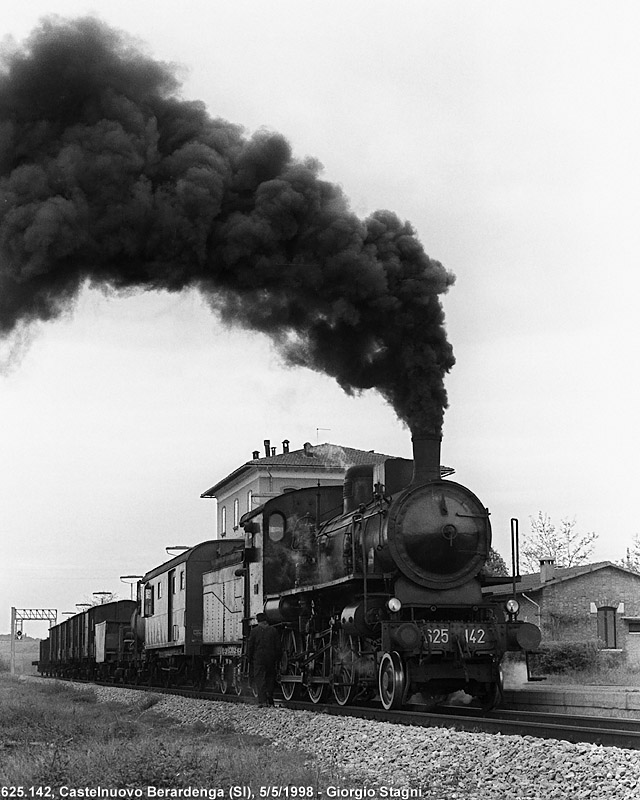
{"x": 18, "y": 617}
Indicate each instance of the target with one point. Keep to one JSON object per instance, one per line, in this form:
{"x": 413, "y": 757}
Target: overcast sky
{"x": 507, "y": 133}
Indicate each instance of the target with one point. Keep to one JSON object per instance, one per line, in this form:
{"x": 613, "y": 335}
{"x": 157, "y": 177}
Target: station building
{"x": 591, "y": 601}
{"x": 271, "y": 474}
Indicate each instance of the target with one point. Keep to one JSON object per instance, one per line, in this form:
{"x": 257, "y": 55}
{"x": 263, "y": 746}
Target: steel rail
{"x": 605, "y": 731}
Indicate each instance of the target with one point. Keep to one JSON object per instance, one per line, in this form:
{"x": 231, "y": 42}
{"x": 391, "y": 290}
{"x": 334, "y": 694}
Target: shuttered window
{"x": 607, "y": 627}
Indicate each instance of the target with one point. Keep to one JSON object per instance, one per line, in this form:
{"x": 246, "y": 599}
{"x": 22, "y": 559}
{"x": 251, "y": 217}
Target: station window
{"x": 182, "y": 579}
{"x": 607, "y": 627}
{"x": 236, "y": 513}
{"x": 634, "y": 626}
{"x": 249, "y": 500}
{"x": 223, "y": 521}
{"x": 173, "y": 584}
{"x": 276, "y": 526}
{"x": 159, "y": 590}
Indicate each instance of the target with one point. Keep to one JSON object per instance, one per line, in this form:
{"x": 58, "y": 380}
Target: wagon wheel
{"x": 392, "y": 680}
{"x": 316, "y": 668}
{"x": 345, "y": 655}
{"x": 289, "y": 665}
{"x": 226, "y": 680}
{"x": 236, "y": 679}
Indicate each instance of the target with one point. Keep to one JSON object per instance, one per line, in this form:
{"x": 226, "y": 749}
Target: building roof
{"x": 533, "y": 582}
{"x": 320, "y": 457}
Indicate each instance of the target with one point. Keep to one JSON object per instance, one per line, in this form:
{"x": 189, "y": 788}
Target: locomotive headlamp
{"x": 394, "y": 604}
{"x": 512, "y": 606}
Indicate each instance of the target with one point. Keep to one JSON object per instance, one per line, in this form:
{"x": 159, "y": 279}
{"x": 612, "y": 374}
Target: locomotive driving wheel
{"x": 289, "y": 665}
{"x": 317, "y": 668}
{"x": 344, "y": 655}
{"x": 392, "y": 680}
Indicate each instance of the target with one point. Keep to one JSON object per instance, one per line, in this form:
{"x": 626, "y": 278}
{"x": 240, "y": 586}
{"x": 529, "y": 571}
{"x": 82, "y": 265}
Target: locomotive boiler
{"x": 379, "y": 591}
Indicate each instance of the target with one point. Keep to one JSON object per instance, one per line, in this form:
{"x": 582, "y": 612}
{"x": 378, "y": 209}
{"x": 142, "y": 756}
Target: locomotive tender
{"x": 375, "y": 586}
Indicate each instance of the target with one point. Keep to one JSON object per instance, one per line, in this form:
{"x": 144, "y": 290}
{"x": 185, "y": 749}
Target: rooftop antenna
{"x": 318, "y": 433}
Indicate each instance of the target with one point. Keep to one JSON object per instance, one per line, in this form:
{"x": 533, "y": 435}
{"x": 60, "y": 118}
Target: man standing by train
{"x": 263, "y": 652}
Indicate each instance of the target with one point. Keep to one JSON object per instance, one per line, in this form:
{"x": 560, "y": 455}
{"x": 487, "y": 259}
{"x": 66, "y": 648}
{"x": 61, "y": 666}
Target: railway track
{"x": 606, "y": 731}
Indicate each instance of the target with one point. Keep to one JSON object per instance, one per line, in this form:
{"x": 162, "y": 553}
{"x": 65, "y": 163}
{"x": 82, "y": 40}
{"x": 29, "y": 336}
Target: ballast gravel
{"x": 433, "y": 762}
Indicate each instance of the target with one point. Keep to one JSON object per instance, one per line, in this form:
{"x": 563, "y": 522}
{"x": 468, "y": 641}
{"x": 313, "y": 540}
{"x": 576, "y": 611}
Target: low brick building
{"x": 593, "y": 601}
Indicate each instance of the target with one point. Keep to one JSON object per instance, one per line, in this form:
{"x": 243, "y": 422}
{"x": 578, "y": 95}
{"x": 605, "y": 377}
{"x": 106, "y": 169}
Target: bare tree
{"x": 100, "y": 598}
{"x": 567, "y": 546}
{"x": 632, "y": 556}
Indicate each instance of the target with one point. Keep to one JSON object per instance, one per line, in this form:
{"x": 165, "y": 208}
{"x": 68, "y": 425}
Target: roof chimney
{"x": 256, "y": 454}
{"x": 267, "y": 447}
{"x": 285, "y": 446}
{"x": 547, "y": 569}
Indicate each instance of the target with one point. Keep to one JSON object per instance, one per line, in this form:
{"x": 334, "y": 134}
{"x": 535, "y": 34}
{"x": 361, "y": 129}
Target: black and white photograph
{"x": 319, "y": 399}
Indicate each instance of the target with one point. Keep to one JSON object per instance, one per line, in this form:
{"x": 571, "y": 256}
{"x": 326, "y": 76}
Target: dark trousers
{"x": 264, "y": 677}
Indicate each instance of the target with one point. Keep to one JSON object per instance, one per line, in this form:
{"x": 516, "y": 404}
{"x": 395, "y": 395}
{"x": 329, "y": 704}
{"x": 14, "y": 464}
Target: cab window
{"x": 276, "y": 526}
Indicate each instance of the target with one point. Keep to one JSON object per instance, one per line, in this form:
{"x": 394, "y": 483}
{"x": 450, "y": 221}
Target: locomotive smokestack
{"x": 426, "y": 457}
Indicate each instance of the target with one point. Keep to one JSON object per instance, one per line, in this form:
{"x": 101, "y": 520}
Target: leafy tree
{"x": 495, "y": 564}
{"x": 567, "y": 546}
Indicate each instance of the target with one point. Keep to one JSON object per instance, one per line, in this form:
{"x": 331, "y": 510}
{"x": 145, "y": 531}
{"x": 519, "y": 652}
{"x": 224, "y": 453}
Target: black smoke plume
{"x": 108, "y": 178}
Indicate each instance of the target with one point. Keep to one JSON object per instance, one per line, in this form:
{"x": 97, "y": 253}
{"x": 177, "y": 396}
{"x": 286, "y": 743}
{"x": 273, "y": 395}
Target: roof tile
{"x": 320, "y": 456}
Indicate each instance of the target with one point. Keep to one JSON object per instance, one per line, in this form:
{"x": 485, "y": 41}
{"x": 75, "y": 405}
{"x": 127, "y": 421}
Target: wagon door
{"x": 171, "y": 590}
{"x": 223, "y": 606}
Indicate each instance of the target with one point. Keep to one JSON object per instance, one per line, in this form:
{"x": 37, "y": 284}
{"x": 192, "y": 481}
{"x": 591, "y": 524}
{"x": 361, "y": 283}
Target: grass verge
{"x": 53, "y": 735}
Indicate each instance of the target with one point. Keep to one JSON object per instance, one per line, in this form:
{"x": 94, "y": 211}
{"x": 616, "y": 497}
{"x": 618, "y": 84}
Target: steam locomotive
{"x": 375, "y": 586}
{"x": 385, "y": 598}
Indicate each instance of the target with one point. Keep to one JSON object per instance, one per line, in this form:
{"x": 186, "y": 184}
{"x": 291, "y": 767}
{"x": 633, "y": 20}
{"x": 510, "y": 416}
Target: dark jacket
{"x": 264, "y": 645}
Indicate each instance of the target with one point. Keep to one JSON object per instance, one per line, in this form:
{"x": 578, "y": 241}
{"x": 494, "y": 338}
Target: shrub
{"x": 612, "y": 659}
{"x": 561, "y": 657}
